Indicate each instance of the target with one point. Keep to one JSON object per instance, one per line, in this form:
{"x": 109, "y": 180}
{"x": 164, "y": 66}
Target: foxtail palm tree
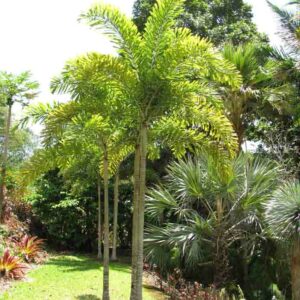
{"x": 156, "y": 73}
{"x": 73, "y": 127}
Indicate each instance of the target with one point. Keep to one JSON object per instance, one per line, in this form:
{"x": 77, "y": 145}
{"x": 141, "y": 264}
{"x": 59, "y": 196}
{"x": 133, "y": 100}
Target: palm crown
{"x": 202, "y": 198}
{"x": 283, "y": 212}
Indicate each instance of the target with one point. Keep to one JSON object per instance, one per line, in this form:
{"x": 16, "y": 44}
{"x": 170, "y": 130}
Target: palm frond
{"x": 157, "y": 30}
{"x": 283, "y": 212}
{"x": 121, "y": 30}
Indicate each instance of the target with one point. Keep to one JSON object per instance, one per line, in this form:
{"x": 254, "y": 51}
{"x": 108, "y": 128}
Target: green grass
{"x": 74, "y": 277}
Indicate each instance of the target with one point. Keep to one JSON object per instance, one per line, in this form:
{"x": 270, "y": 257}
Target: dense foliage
{"x": 219, "y": 21}
{"x": 68, "y": 216}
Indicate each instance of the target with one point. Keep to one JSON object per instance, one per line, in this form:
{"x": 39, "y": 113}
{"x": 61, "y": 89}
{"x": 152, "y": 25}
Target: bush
{"x": 68, "y": 216}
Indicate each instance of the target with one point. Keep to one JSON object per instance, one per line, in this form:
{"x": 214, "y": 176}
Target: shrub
{"x": 11, "y": 266}
{"x": 30, "y": 248}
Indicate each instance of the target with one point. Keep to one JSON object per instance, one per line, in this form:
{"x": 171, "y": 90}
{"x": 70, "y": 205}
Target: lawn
{"x": 66, "y": 277}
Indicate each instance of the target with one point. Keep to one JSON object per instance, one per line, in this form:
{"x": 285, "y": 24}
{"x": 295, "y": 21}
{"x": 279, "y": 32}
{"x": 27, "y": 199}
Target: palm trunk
{"x": 99, "y": 255}
{"x": 245, "y": 268}
{"x": 105, "y": 295}
{"x": 136, "y": 193}
{"x": 240, "y": 137}
{"x": 138, "y": 216}
{"x": 295, "y": 270}
{"x": 115, "y": 230}
{"x": 221, "y": 262}
{"x": 4, "y": 164}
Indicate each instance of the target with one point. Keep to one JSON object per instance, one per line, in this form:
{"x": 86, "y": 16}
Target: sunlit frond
{"x": 120, "y": 29}
{"x": 283, "y": 212}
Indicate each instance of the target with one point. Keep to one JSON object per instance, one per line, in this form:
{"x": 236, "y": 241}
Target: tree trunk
{"x": 138, "y": 216}
{"x": 116, "y": 203}
{"x": 136, "y": 192}
{"x": 99, "y": 255}
{"x": 295, "y": 270}
{"x": 221, "y": 263}
{"x": 105, "y": 295}
{"x": 4, "y": 164}
{"x": 245, "y": 268}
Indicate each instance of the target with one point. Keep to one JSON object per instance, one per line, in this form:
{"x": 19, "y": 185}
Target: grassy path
{"x": 71, "y": 277}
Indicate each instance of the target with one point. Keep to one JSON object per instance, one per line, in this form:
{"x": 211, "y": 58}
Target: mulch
{"x": 4, "y": 285}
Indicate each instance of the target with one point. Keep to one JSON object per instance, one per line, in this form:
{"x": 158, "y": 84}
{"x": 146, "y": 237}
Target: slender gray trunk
{"x": 4, "y": 163}
{"x": 138, "y": 216}
{"x": 136, "y": 193}
{"x": 295, "y": 270}
{"x": 99, "y": 255}
{"x": 105, "y": 295}
{"x": 115, "y": 230}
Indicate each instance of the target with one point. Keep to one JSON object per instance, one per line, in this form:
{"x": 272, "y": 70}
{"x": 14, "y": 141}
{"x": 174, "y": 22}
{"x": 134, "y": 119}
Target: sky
{"x": 40, "y": 35}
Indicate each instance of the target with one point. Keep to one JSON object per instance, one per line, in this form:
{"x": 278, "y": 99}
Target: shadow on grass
{"x": 87, "y": 297}
{"x": 79, "y": 264}
{"x": 155, "y": 291}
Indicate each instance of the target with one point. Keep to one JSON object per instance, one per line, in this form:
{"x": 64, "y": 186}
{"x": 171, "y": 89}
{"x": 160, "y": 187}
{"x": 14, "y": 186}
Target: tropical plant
{"x": 11, "y": 266}
{"x": 283, "y": 217}
{"x": 30, "y": 247}
{"x": 13, "y": 88}
{"x": 260, "y": 86}
{"x": 206, "y": 206}
{"x": 157, "y": 73}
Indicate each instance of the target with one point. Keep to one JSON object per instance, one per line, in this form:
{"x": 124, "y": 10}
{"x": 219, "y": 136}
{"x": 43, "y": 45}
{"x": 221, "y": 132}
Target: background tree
{"x": 275, "y": 127}
{"x": 219, "y": 21}
{"x": 13, "y": 89}
{"x": 259, "y": 88}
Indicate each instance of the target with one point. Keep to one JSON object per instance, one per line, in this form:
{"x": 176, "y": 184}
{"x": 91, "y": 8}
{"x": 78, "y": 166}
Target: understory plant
{"x": 30, "y": 248}
{"x": 209, "y": 208}
{"x": 12, "y": 266}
